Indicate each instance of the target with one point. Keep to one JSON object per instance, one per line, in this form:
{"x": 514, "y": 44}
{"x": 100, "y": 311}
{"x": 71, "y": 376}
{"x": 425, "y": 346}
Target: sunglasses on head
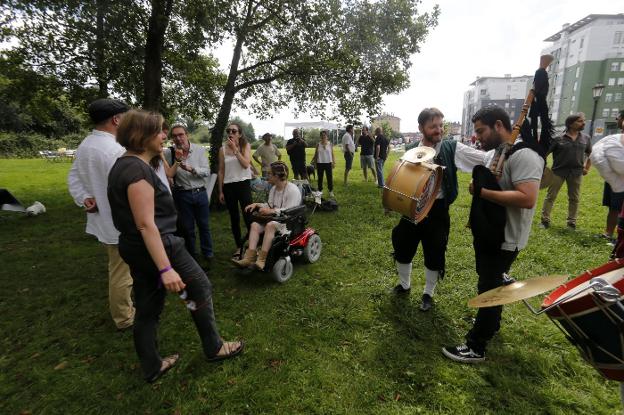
{"x": 231, "y": 131}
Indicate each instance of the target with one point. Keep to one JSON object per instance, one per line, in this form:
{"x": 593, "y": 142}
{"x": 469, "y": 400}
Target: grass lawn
{"x": 330, "y": 340}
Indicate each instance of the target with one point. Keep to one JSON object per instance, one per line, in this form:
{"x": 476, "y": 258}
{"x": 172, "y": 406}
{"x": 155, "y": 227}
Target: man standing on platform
{"x": 88, "y": 182}
{"x": 519, "y": 183}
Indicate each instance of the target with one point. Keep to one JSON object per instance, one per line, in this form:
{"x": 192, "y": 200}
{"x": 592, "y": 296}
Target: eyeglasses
{"x": 231, "y": 131}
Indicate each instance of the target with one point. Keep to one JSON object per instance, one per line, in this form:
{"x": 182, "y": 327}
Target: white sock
{"x": 405, "y": 273}
{"x": 431, "y": 279}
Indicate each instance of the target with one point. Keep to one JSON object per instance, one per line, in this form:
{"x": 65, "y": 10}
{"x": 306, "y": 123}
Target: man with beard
{"x": 570, "y": 163}
{"x": 519, "y": 183}
{"x": 433, "y": 231}
{"x": 295, "y": 147}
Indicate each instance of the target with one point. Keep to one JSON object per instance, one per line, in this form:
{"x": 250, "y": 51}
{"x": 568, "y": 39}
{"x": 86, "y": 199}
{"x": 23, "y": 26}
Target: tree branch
{"x": 265, "y": 62}
{"x": 260, "y": 81}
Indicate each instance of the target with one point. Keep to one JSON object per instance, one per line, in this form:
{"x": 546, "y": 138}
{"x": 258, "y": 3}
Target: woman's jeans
{"x": 149, "y": 298}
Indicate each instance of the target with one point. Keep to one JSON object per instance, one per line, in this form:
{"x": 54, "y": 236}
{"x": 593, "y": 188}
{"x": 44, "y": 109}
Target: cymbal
{"x": 517, "y": 291}
{"x": 420, "y": 154}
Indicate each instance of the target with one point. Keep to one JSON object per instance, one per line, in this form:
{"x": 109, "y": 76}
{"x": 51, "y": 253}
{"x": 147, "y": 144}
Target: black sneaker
{"x": 545, "y": 225}
{"x": 399, "y": 290}
{"x": 427, "y": 302}
{"x": 463, "y": 353}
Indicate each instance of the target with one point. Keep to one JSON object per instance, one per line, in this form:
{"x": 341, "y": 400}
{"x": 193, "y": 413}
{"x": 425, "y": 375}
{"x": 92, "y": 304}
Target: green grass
{"x": 330, "y": 340}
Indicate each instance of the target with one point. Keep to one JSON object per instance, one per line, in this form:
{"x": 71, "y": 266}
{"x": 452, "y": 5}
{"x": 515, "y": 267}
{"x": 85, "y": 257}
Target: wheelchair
{"x": 299, "y": 241}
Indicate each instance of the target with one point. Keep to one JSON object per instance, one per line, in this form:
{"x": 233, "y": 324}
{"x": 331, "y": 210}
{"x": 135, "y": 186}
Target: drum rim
{"x": 584, "y": 303}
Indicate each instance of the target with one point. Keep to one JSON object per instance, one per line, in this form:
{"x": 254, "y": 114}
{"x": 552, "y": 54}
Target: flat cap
{"x": 104, "y": 108}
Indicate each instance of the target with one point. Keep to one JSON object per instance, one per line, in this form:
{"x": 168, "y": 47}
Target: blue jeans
{"x": 149, "y": 299}
{"x": 379, "y": 163}
{"x": 193, "y": 207}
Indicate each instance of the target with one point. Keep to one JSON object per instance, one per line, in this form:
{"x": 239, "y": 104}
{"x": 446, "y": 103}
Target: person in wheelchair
{"x": 283, "y": 195}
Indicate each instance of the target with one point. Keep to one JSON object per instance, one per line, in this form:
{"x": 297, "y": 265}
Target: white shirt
{"x": 347, "y": 143}
{"x": 88, "y": 178}
{"x": 324, "y": 153}
{"x": 233, "y": 171}
{"x": 196, "y": 159}
{"x": 284, "y": 199}
{"x": 608, "y": 158}
{"x": 162, "y": 175}
{"x": 466, "y": 158}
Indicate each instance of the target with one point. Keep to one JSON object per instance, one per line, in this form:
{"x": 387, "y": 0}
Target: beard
{"x": 492, "y": 142}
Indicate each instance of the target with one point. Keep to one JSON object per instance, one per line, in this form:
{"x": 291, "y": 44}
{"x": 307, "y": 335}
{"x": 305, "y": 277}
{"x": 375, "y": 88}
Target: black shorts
{"x": 348, "y": 160}
{"x": 613, "y": 200}
{"x": 299, "y": 168}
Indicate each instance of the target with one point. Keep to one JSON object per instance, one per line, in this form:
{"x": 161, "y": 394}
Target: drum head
{"x": 419, "y": 154}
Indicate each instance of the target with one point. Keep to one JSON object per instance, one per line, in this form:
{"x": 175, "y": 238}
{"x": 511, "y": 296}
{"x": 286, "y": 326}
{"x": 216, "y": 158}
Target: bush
{"x": 28, "y": 145}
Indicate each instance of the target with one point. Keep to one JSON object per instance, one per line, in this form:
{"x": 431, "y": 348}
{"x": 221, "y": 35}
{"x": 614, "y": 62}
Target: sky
{"x": 473, "y": 38}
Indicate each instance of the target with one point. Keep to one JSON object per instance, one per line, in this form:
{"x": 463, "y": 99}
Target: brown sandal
{"x": 167, "y": 363}
{"x": 228, "y": 351}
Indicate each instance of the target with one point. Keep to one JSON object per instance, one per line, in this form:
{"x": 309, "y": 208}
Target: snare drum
{"x": 595, "y": 327}
{"x": 411, "y": 188}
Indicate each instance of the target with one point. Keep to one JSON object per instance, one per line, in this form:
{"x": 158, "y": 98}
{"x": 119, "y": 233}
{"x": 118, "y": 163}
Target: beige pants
{"x": 119, "y": 288}
{"x": 574, "y": 192}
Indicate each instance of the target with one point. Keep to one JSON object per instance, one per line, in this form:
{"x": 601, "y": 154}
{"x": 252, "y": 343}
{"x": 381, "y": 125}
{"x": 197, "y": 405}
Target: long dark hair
{"x": 242, "y": 141}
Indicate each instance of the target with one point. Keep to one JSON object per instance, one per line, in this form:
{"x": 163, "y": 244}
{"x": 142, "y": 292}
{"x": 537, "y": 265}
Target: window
{"x": 618, "y": 38}
{"x": 506, "y": 104}
{"x": 608, "y": 97}
{"x": 483, "y": 91}
{"x": 618, "y": 96}
{"x": 614, "y": 112}
{"x": 620, "y": 81}
{"x": 615, "y": 66}
{"x": 575, "y": 86}
{"x": 605, "y": 113}
{"x": 611, "y": 82}
{"x": 621, "y": 66}
{"x": 582, "y": 41}
{"x": 578, "y": 71}
{"x": 573, "y": 98}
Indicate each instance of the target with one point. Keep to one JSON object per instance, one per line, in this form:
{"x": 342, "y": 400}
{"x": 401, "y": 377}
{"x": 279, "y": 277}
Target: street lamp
{"x": 597, "y": 91}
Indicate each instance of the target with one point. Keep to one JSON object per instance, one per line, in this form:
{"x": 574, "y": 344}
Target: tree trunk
{"x": 216, "y": 134}
{"x": 154, "y": 45}
{"x": 100, "y": 47}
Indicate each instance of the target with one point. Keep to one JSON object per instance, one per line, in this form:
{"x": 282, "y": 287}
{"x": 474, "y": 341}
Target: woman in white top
{"x": 325, "y": 162}
{"x": 234, "y": 179}
{"x": 283, "y": 195}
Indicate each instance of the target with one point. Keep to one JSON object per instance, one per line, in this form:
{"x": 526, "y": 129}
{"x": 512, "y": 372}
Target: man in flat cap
{"x": 87, "y": 181}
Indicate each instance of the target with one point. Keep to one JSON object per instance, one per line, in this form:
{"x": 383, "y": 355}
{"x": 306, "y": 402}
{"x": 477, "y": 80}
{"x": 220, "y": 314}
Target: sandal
{"x": 167, "y": 363}
{"x": 229, "y": 350}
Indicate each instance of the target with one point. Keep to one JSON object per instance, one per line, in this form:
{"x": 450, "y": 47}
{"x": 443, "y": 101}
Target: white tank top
{"x": 234, "y": 172}
{"x": 324, "y": 154}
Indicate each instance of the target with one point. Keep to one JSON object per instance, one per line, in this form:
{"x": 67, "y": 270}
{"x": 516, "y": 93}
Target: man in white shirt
{"x": 88, "y": 182}
{"x": 191, "y": 169}
{"x": 348, "y": 147}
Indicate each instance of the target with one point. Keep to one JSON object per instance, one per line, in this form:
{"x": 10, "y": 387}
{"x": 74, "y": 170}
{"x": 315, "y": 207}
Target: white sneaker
{"x": 331, "y": 194}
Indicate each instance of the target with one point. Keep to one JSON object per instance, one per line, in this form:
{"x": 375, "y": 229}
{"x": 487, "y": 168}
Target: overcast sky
{"x": 473, "y": 38}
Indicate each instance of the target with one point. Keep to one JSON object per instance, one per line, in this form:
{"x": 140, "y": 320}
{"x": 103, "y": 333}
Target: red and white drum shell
{"x": 594, "y": 327}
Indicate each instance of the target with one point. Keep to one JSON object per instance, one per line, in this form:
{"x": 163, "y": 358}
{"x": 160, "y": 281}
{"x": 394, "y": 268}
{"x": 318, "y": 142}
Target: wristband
{"x": 165, "y": 269}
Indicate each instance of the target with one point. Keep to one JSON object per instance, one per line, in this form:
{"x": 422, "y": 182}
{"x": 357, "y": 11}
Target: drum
{"x": 594, "y": 326}
{"x": 411, "y": 188}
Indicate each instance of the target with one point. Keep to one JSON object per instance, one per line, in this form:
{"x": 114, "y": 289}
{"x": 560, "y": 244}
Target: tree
{"x": 147, "y": 53}
{"x": 285, "y": 51}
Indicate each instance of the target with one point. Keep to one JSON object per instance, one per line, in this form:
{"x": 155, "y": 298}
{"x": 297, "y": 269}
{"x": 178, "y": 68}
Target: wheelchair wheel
{"x": 282, "y": 270}
{"x": 312, "y": 250}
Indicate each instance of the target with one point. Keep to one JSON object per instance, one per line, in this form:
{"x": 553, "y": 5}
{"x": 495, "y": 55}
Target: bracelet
{"x": 165, "y": 269}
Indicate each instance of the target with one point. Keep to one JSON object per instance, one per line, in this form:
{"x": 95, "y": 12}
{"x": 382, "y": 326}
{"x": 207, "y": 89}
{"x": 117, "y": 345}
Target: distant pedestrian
{"x": 367, "y": 153}
{"x": 570, "y": 163}
{"x": 348, "y": 148}
{"x": 325, "y": 162}
{"x": 381, "y": 154}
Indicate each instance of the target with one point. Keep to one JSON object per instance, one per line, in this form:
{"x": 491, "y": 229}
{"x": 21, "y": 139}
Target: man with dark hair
{"x": 266, "y": 154}
{"x": 295, "y": 147}
{"x": 367, "y": 158}
{"x": 519, "y": 184}
{"x": 191, "y": 170}
{"x": 433, "y": 231}
{"x": 88, "y": 182}
{"x": 381, "y": 154}
{"x": 348, "y": 147}
{"x": 570, "y": 163}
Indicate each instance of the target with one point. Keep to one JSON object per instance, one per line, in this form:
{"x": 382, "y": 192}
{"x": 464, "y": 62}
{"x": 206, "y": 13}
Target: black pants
{"x": 149, "y": 299}
{"x": 491, "y": 264}
{"x": 238, "y": 194}
{"x": 433, "y": 232}
{"x": 325, "y": 168}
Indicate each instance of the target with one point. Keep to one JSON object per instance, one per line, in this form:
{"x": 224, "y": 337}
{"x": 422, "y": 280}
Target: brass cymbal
{"x": 517, "y": 291}
{"x": 420, "y": 154}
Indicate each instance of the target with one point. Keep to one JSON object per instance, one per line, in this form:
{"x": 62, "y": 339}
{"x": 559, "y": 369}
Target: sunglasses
{"x": 231, "y": 131}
